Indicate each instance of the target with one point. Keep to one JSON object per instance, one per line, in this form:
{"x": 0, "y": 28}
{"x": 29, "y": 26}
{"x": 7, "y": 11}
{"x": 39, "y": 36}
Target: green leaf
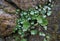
{"x": 44, "y": 16}
{"x": 41, "y": 34}
{"x": 18, "y": 10}
{"x": 47, "y": 37}
{"x": 49, "y": 13}
{"x": 39, "y": 19}
{"x": 32, "y": 23}
{"x": 18, "y": 26}
{"x": 26, "y": 25}
{"x": 36, "y": 12}
{"x": 33, "y": 32}
{"x": 32, "y": 12}
{"x": 17, "y": 38}
{"x": 36, "y": 7}
{"x": 25, "y": 13}
{"x": 23, "y": 39}
{"x": 50, "y": 0}
{"x": 19, "y": 32}
{"x": 45, "y": 27}
{"x": 33, "y": 17}
{"x": 43, "y": 11}
{"x": 45, "y": 22}
{"x": 23, "y": 34}
{"x": 44, "y": 39}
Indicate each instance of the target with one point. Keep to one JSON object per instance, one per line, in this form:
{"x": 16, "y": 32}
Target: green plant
{"x": 30, "y": 18}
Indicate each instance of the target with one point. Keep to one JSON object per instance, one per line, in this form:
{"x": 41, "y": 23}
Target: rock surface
{"x": 54, "y": 22}
{"x": 7, "y": 7}
{"x": 26, "y": 4}
{"x": 7, "y": 23}
{"x": 7, "y": 18}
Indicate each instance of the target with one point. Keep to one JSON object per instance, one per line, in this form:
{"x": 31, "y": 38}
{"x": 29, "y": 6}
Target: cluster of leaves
{"x": 30, "y": 18}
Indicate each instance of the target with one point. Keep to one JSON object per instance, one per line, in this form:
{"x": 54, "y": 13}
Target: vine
{"x": 33, "y": 17}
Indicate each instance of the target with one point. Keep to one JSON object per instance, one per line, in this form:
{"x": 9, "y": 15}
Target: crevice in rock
{"x": 13, "y": 4}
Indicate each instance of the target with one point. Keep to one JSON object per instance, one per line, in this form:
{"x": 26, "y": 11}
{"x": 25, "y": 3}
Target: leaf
{"x": 44, "y": 16}
{"x": 25, "y": 13}
{"x": 44, "y": 39}
{"x": 33, "y": 32}
{"x": 19, "y": 32}
{"x": 39, "y": 19}
{"x": 50, "y": 0}
{"x": 17, "y": 10}
{"x": 23, "y": 34}
{"x": 33, "y": 17}
{"x": 26, "y": 25}
{"x": 45, "y": 22}
{"x": 49, "y": 13}
{"x": 45, "y": 27}
{"x": 18, "y": 26}
{"x": 41, "y": 34}
{"x": 17, "y": 38}
{"x": 36, "y": 12}
{"x": 47, "y": 37}
{"x": 43, "y": 11}
{"x": 23, "y": 39}
{"x": 32, "y": 13}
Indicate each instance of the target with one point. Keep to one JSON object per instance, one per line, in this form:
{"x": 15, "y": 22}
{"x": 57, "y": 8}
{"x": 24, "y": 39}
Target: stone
{"x": 26, "y": 4}
{"x": 7, "y": 7}
{"x": 7, "y": 23}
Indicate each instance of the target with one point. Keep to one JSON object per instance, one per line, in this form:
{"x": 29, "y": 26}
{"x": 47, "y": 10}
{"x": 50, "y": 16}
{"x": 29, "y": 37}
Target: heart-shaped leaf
{"x": 39, "y": 19}
{"x": 26, "y": 25}
{"x": 45, "y": 22}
